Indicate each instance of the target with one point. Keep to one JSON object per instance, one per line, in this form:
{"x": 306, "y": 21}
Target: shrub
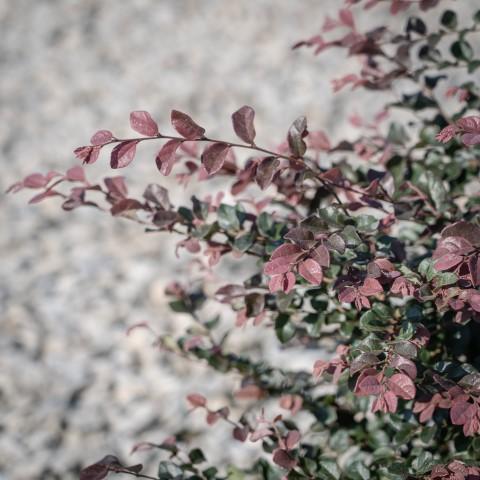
{"x": 373, "y": 244}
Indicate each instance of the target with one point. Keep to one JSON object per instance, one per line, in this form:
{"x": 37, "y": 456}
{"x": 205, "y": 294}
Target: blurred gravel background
{"x": 73, "y": 387}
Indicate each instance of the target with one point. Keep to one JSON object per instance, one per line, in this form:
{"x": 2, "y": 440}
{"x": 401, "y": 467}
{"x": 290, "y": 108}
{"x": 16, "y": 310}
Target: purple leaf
{"x": 214, "y": 156}
{"x": 303, "y": 237}
{"x": 283, "y": 459}
{"x": 101, "y": 137}
{"x": 368, "y": 385}
{"x": 466, "y": 230}
{"x": 123, "y": 154}
{"x": 293, "y": 437}
{"x": 143, "y": 123}
{"x": 243, "y": 124}
{"x": 166, "y": 157}
{"x": 266, "y": 170}
{"x": 185, "y": 126}
{"x": 448, "y": 261}
{"x": 321, "y": 255}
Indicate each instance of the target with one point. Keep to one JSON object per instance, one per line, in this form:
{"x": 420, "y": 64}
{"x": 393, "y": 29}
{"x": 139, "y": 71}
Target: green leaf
{"x": 445, "y": 278}
{"x": 228, "y": 217}
{"x": 328, "y": 470}
{"x": 358, "y": 471}
{"x": 449, "y": 19}
{"x": 423, "y": 463}
{"x": 366, "y": 223}
{"x": 462, "y": 50}
{"x": 169, "y": 471}
{"x": 436, "y": 190}
{"x": 351, "y": 237}
{"x": 284, "y": 329}
{"x": 333, "y": 216}
{"x": 244, "y": 241}
{"x": 196, "y": 456}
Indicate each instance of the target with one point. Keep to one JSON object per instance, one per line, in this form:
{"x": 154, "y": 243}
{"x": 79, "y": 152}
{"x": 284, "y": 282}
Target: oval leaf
{"x": 311, "y": 271}
{"x": 166, "y": 157}
{"x": 123, "y": 154}
{"x": 266, "y": 170}
{"x": 143, "y": 123}
{"x": 185, "y": 126}
{"x": 101, "y": 137}
{"x": 242, "y": 121}
{"x": 402, "y": 386}
{"x": 213, "y": 157}
{"x": 295, "y": 136}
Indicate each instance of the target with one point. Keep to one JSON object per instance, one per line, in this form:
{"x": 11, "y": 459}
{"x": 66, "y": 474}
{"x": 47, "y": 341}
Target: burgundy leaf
{"x": 214, "y": 156}
{"x": 402, "y": 385}
{"x": 303, "y": 237}
{"x": 123, "y": 154}
{"x": 266, "y": 170}
{"x": 166, "y": 157}
{"x": 101, "y": 137}
{"x": 466, "y": 230}
{"x": 289, "y": 250}
{"x": 295, "y": 136}
{"x": 321, "y": 255}
{"x": 185, "y": 126}
{"x": 448, "y": 261}
{"x": 116, "y": 187}
{"x": 94, "y": 472}
{"x": 158, "y": 195}
{"x": 311, "y": 271}
{"x": 241, "y": 433}
{"x": 125, "y": 205}
{"x": 243, "y": 124}
{"x": 143, "y": 123}
{"x": 283, "y": 459}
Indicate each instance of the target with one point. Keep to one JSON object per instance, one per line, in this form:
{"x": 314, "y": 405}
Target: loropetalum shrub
{"x": 372, "y": 243}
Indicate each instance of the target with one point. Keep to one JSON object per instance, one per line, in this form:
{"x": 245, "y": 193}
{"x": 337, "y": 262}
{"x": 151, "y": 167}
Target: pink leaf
{"x": 321, "y": 255}
{"x": 391, "y": 401}
{"x": 35, "y": 180}
{"x": 143, "y": 123}
{"x": 214, "y": 156}
{"x": 447, "y": 261}
{"x": 293, "y": 437}
{"x": 287, "y": 250}
{"x": 459, "y": 412}
{"x": 243, "y": 124}
{"x": 402, "y": 385}
{"x": 197, "y": 400}
{"x": 88, "y": 154}
{"x": 470, "y": 139}
{"x": 123, "y": 154}
{"x": 371, "y": 286}
{"x": 185, "y": 126}
{"x": 41, "y": 196}
{"x": 75, "y": 174}
{"x": 346, "y": 17}
{"x": 368, "y": 385}
{"x": 446, "y": 134}
{"x": 166, "y": 157}
{"x": 101, "y": 137}
{"x": 241, "y": 433}
{"x": 311, "y": 271}
{"x": 405, "y": 365}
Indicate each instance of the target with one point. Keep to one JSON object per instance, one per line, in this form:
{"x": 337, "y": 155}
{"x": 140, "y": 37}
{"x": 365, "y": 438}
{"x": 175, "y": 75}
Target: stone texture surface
{"x": 73, "y": 387}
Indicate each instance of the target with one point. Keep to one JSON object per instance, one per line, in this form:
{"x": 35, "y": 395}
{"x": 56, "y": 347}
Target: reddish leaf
{"x": 214, "y": 156}
{"x": 116, "y": 187}
{"x": 197, "y": 400}
{"x": 459, "y": 413}
{"x": 94, "y": 472}
{"x": 41, "y": 196}
{"x": 88, "y": 154}
{"x": 143, "y": 123}
{"x": 303, "y": 237}
{"x": 369, "y": 385}
{"x": 241, "y": 433}
{"x": 75, "y": 174}
{"x": 283, "y": 459}
{"x": 405, "y": 365}
{"x": 321, "y": 255}
{"x": 370, "y": 286}
{"x": 35, "y": 180}
{"x": 123, "y": 154}
{"x": 311, "y": 271}
{"x": 466, "y": 230}
{"x": 287, "y": 250}
{"x": 185, "y": 126}
{"x": 101, "y": 137}
{"x": 292, "y": 438}
{"x": 166, "y": 157}
{"x": 243, "y": 124}
{"x": 125, "y": 205}
{"x": 448, "y": 261}
{"x": 266, "y": 170}
{"x": 391, "y": 401}
{"x": 295, "y": 136}
{"x": 402, "y": 385}
{"x": 277, "y": 266}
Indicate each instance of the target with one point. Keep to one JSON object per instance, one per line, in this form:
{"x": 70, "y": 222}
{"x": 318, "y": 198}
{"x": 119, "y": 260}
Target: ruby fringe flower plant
{"x": 371, "y": 245}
